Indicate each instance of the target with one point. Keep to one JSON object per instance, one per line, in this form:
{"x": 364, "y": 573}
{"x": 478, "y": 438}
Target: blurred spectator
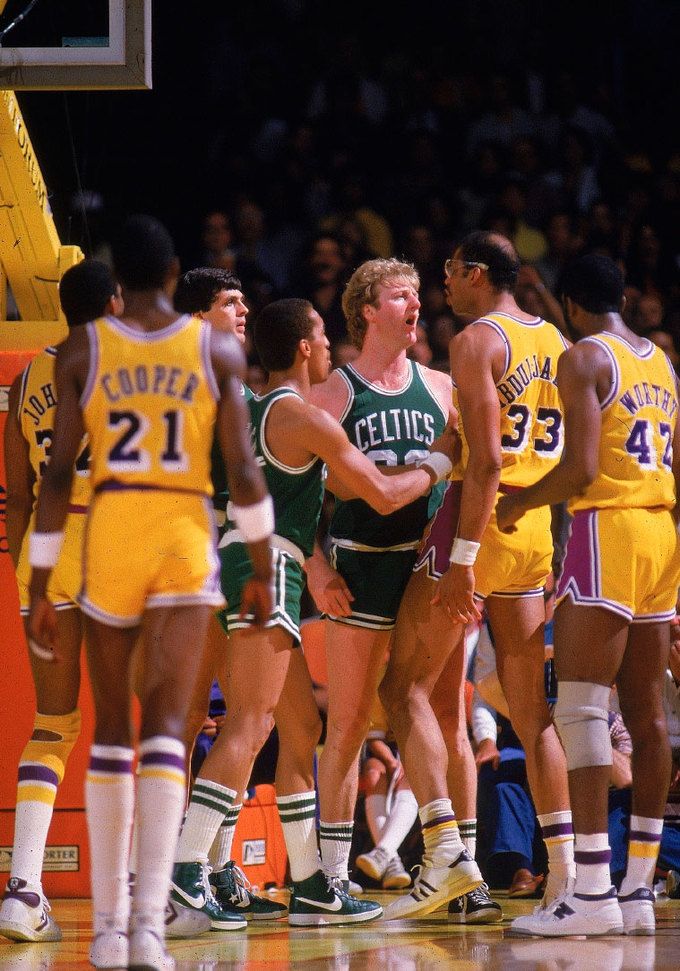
{"x": 504, "y": 119}
{"x": 563, "y": 246}
{"x": 575, "y": 175}
{"x": 534, "y": 297}
{"x": 321, "y": 280}
{"x": 668, "y": 343}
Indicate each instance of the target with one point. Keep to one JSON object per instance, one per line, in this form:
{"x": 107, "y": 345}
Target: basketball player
{"x": 391, "y": 409}
{"x": 147, "y": 389}
{"x": 215, "y": 295}
{"x": 87, "y": 290}
{"x": 503, "y": 368}
{"x": 263, "y": 676}
{"x": 617, "y": 592}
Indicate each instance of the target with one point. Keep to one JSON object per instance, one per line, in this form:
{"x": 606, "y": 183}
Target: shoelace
{"x": 210, "y": 897}
{"x": 335, "y": 884}
{"x": 480, "y": 895}
{"x": 242, "y": 884}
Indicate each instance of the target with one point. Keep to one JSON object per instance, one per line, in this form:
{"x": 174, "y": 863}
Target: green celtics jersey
{"x": 217, "y": 474}
{"x": 297, "y": 492}
{"x": 390, "y": 428}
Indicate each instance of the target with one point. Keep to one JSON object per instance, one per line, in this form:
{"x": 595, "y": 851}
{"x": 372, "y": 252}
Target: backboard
{"x": 96, "y": 45}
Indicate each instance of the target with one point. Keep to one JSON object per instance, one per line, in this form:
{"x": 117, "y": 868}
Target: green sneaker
{"x": 233, "y": 893}
{"x": 317, "y": 901}
{"x": 190, "y": 887}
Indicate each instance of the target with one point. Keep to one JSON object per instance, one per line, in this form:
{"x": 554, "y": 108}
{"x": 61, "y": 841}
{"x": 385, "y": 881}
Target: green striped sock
{"x": 335, "y": 840}
{"x": 298, "y": 820}
{"x": 208, "y": 806}
{"x": 468, "y": 833}
{"x": 220, "y": 851}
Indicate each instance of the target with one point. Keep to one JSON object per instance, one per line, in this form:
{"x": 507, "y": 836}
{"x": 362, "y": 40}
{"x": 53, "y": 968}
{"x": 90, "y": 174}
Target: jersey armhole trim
{"x": 93, "y": 340}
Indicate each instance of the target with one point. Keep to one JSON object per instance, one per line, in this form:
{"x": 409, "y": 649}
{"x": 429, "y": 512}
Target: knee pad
{"x": 582, "y": 719}
{"x": 53, "y": 753}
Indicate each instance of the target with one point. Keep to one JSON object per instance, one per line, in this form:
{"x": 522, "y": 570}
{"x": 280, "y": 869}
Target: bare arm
{"x": 314, "y": 430}
{"x": 20, "y": 476}
{"x": 55, "y": 487}
{"x": 475, "y": 354}
{"x": 247, "y": 485}
{"x": 579, "y": 370}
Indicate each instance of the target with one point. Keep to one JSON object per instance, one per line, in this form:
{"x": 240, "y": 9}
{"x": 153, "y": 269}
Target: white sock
{"x": 376, "y": 814}
{"x": 643, "y": 850}
{"x": 208, "y": 807}
{"x": 161, "y": 796}
{"x": 335, "y": 840}
{"x": 403, "y": 815}
{"x": 220, "y": 851}
{"x": 440, "y": 833}
{"x": 558, "y": 835}
{"x": 593, "y": 856}
{"x": 110, "y": 801}
{"x": 298, "y": 820}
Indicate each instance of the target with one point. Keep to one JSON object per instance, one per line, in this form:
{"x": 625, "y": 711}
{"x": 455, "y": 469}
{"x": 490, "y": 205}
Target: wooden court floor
{"x": 427, "y": 944}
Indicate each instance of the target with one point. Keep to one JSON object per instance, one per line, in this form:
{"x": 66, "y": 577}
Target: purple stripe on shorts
{"x": 162, "y": 758}
{"x": 438, "y": 821}
{"x": 642, "y": 837}
{"x": 578, "y": 571}
{"x": 441, "y": 532}
{"x": 110, "y": 765}
{"x": 558, "y": 829}
{"x": 593, "y": 857}
{"x": 38, "y": 773}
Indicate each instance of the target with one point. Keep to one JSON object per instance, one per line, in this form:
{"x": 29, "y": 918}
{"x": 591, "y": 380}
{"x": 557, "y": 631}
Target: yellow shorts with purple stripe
{"x": 146, "y": 549}
{"x": 515, "y": 564}
{"x": 66, "y": 577}
{"x": 624, "y": 560}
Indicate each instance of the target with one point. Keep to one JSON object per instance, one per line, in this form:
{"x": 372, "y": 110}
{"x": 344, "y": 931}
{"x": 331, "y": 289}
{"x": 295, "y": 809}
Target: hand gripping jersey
{"x": 149, "y": 406}
{"x": 638, "y": 422}
{"x": 390, "y": 428}
{"x": 532, "y": 436}
{"x": 37, "y": 403}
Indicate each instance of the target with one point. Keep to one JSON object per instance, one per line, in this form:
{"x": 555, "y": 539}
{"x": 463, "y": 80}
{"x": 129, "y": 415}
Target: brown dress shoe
{"x": 524, "y": 883}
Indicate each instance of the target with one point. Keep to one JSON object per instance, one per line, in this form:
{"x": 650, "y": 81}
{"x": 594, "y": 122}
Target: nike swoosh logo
{"x": 335, "y": 905}
{"x": 196, "y": 902}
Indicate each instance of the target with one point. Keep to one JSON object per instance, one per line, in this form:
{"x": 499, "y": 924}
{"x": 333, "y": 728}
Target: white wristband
{"x": 44, "y": 549}
{"x": 256, "y": 522}
{"x": 464, "y": 552}
{"x": 439, "y": 463}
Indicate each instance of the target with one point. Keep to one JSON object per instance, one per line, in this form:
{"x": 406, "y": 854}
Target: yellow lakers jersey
{"x": 531, "y": 415}
{"x": 150, "y": 404}
{"x": 638, "y": 423}
{"x": 37, "y": 403}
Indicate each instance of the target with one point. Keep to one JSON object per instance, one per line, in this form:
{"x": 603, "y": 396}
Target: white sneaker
{"x": 147, "y": 952}
{"x": 637, "y": 909}
{"x": 110, "y": 949}
{"x": 573, "y": 914}
{"x": 182, "y": 922}
{"x": 374, "y": 863}
{"x": 435, "y": 886}
{"x": 395, "y": 876}
{"x": 25, "y": 914}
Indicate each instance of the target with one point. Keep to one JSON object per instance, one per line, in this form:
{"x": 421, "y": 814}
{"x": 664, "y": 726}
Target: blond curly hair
{"x": 362, "y": 289}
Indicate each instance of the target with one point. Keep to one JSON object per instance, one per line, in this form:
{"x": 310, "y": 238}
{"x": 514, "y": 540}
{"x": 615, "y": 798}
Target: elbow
{"x": 386, "y": 505}
{"x": 581, "y": 478}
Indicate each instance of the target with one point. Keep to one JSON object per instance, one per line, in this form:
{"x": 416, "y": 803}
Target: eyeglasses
{"x": 468, "y": 264}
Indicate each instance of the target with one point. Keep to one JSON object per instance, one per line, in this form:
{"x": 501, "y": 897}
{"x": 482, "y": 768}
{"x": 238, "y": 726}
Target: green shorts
{"x": 377, "y": 580}
{"x": 289, "y": 582}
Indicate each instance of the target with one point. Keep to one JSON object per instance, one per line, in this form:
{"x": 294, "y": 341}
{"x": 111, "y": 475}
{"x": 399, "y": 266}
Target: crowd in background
{"x": 297, "y": 147}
